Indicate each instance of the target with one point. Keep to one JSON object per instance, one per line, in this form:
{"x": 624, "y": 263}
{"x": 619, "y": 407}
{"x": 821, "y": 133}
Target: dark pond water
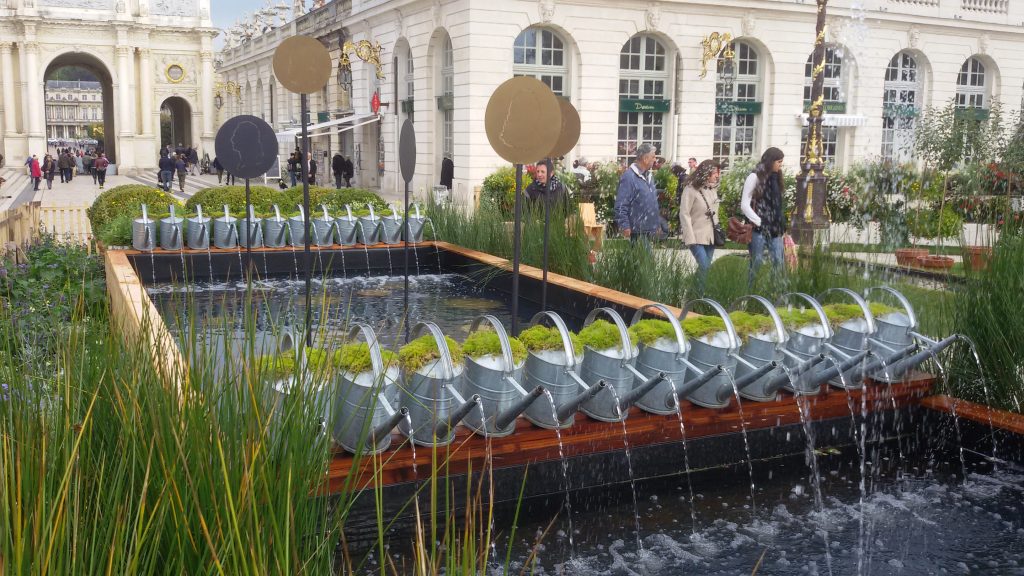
{"x": 216, "y": 313}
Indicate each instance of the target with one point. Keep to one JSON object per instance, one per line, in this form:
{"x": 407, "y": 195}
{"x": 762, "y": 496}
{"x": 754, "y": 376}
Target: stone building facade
{"x": 636, "y": 72}
{"x": 71, "y": 106}
{"x": 147, "y": 54}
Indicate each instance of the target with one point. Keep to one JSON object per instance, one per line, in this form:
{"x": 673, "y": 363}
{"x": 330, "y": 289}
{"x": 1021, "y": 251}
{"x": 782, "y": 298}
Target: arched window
{"x": 406, "y": 86}
{"x": 737, "y": 103}
{"x": 541, "y": 53}
{"x": 834, "y": 92}
{"x": 901, "y": 102}
{"x": 446, "y": 102}
{"x": 643, "y": 101}
{"x": 972, "y": 85}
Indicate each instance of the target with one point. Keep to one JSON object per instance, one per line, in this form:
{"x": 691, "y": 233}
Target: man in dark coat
{"x": 338, "y": 168}
{"x": 447, "y": 172}
{"x": 347, "y": 172}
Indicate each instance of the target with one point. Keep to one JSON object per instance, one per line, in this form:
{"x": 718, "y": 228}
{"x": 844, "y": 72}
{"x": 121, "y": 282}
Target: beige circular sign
{"x": 523, "y": 120}
{"x": 302, "y": 64}
{"x": 570, "y": 129}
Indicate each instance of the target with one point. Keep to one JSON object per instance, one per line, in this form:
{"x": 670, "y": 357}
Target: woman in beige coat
{"x": 698, "y": 212}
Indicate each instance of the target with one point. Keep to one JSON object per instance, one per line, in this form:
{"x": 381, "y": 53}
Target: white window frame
{"x": 448, "y": 89}
{"x": 536, "y": 44}
{"x": 746, "y": 87}
{"x": 972, "y": 83}
{"x": 903, "y": 87}
{"x": 640, "y": 78}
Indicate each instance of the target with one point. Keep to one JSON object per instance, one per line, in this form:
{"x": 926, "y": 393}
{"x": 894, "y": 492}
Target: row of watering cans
{"x": 488, "y": 400}
{"x": 228, "y": 231}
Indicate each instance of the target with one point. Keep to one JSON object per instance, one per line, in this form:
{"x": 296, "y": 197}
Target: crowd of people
{"x": 67, "y": 163}
{"x": 639, "y": 218}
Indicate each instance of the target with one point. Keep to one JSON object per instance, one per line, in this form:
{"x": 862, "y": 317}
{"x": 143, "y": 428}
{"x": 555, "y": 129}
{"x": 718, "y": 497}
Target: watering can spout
{"x": 570, "y": 407}
{"x": 748, "y": 379}
{"x": 629, "y": 398}
{"x": 348, "y": 209}
{"x": 824, "y": 375}
{"x": 199, "y": 211}
{"x": 930, "y": 351}
{"x": 277, "y": 212}
{"x": 227, "y": 213}
{"x": 385, "y": 427}
{"x": 444, "y": 427}
{"x": 689, "y": 386}
{"x": 171, "y": 206}
{"x": 502, "y": 420}
{"x": 145, "y": 213}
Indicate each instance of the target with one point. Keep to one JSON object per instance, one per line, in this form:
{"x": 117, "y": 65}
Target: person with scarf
{"x": 762, "y": 205}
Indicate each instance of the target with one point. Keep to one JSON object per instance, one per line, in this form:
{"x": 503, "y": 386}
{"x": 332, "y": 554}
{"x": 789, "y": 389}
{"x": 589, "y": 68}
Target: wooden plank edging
{"x": 979, "y": 413}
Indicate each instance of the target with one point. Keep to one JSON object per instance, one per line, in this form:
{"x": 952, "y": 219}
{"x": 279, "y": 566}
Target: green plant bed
{"x": 539, "y": 338}
{"x": 748, "y": 324}
{"x": 601, "y": 335}
{"x": 336, "y": 199}
{"x": 355, "y": 358}
{"x": 423, "y": 350}
{"x": 839, "y": 313}
{"x": 798, "y": 318}
{"x": 129, "y": 199}
{"x": 213, "y": 200}
{"x": 650, "y": 330}
{"x": 486, "y": 343}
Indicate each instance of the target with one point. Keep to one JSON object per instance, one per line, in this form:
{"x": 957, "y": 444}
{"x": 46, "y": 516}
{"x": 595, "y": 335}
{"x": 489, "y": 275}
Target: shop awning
{"x": 325, "y": 128}
{"x": 840, "y": 120}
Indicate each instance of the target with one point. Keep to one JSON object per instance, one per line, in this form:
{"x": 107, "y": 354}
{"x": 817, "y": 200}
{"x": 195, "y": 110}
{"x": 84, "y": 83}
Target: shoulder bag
{"x": 740, "y": 231}
{"x": 718, "y": 233}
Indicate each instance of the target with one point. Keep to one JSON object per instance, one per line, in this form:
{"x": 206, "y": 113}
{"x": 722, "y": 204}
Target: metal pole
{"x": 516, "y": 247}
{"x": 248, "y": 229}
{"x": 811, "y": 183}
{"x": 306, "y": 255}
{"x": 405, "y": 251}
{"x": 544, "y": 259}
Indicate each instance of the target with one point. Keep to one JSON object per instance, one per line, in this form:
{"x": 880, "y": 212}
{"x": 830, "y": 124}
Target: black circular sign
{"x": 246, "y": 146}
{"x": 407, "y": 151}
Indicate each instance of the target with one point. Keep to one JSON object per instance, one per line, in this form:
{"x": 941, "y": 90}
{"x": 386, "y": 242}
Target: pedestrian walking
{"x": 698, "y": 210}
{"x": 338, "y": 167}
{"x": 636, "y": 202}
{"x": 229, "y": 178}
{"x": 193, "y": 159}
{"x": 34, "y": 171}
{"x": 100, "y": 167}
{"x": 166, "y": 166}
{"x": 182, "y": 168}
{"x": 294, "y": 171}
{"x": 62, "y": 165}
{"x": 347, "y": 172}
{"x": 219, "y": 168}
{"x": 49, "y": 167}
{"x": 762, "y": 205}
{"x": 312, "y": 170}
{"x": 89, "y": 162}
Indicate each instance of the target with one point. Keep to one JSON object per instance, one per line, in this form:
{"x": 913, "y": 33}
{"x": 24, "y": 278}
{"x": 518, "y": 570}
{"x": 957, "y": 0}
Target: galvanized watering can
{"x": 274, "y": 230}
{"x": 225, "y": 230}
{"x": 369, "y": 228}
{"x": 617, "y": 372}
{"x": 391, "y": 228}
{"x": 894, "y": 332}
{"x": 171, "y": 237}
{"x": 559, "y": 378}
{"x": 760, "y": 356}
{"x": 435, "y": 405}
{"x": 345, "y": 226}
{"x": 144, "y": 232}
{"x": 416, "y": 223}
{"x": 197, "y": 233}
{"x": 306, "y": 380}
{"x": 501, "y": 396}
{"x": 850, "y": 340}
{"x": 362, "y": 417}
{"x": 251, "y": 230}
{"x": 706, "y": 356}
{"x": 297, "y": 229}
{"x": 323, "y": 229}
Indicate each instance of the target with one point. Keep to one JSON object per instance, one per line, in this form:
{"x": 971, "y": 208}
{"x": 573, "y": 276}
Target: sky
{"x": 225, "y": 12}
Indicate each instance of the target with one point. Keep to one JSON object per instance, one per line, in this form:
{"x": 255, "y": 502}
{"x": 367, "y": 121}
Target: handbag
{"x": 739, "y": 231}
{"x": 716, "y": 229}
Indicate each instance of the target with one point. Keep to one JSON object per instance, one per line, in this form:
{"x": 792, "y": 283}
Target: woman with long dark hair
{"x": 698, "y": 210}
{"x": 762, "y": 205}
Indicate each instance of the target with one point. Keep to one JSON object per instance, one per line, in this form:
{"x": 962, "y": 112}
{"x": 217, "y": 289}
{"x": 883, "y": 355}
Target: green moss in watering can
{"x": 361, "y": 213}
{"x": 355, "y": 358}
{"x": 798, "y": 318}
{"x": 650, "y": 330}
{"x": 423, "y": 350}
{"x": 486, "y": 343}
{"x": 601, "y": 335}
{"x": 748, "y": 324}
{"x": 839, "y": 313}
{"x": 539, "y": 338}
{"x": 701, "y": 326}
{"x": 879, "y": 309}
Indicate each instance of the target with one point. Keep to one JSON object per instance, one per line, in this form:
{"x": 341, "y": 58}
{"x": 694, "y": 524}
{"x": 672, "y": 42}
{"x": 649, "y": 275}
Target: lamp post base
{"x": 809, "y": 222}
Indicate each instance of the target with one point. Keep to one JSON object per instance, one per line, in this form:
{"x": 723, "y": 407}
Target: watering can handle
{"x": 868, "y": 317}
{"x": 623, "y": 333}
{"x": 442, "y": 346}
{"x": 676, "y": 326}
{"x": 902, "y": 300}
{"x": 570, "y": 353}
{"x": 780, "y": 329}
{"x": 376, "y": 359}
{"x": 506, "y": 348}
{"x": 734, "y": 339}
{"x": 822, "y": 317}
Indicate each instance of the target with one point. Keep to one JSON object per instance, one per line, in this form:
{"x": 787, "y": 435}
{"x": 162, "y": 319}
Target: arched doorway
{"x": 79, "y": 99}
{"x": 175, "y": 122}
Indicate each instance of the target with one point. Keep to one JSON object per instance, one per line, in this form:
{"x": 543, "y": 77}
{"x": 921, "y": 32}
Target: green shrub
{"x": 538, "y": 338}
{"x": 213, "y": 199}
{"x": 486, "y": 343}
{"x": 127, "y": 198}
{"x": 423, "y": 350}
{"x": 355, "y": 358}
{"x": 336, "y": 199}
{"x": 499, "y": 188}
{"x": 117, "y": 232}
{"x": 650, "y": 330}
{"x": 600, "y": 335}
{"x": 929, "y": 223}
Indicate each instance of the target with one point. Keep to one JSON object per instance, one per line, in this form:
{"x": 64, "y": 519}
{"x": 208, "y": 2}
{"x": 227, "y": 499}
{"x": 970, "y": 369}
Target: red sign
{"x": 375, "y": 103}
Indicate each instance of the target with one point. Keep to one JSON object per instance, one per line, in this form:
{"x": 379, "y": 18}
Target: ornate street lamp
{"x": 809, "y": 216}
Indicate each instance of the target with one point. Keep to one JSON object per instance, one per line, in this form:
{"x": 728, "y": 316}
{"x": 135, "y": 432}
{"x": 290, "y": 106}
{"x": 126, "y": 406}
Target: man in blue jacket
{"x": 636, "y": 203}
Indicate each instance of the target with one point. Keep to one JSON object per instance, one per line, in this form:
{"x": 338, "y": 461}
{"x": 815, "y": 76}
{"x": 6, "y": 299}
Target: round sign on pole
{"x": 246, "y": 146}
{"x": 302, "y": 64}
{"x": 523, "y": 120}
{"x": 570, "y": 129}
{"x": 407, "y": 151}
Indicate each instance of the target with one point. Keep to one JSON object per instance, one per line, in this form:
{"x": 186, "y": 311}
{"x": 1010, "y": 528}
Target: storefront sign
{"x": 971, "y": 113}
{"x": 737, "y": 107}
{"x": 634, "y": 105}
{"x": 829, "y": 107}
{"x": 899, "y": 111}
